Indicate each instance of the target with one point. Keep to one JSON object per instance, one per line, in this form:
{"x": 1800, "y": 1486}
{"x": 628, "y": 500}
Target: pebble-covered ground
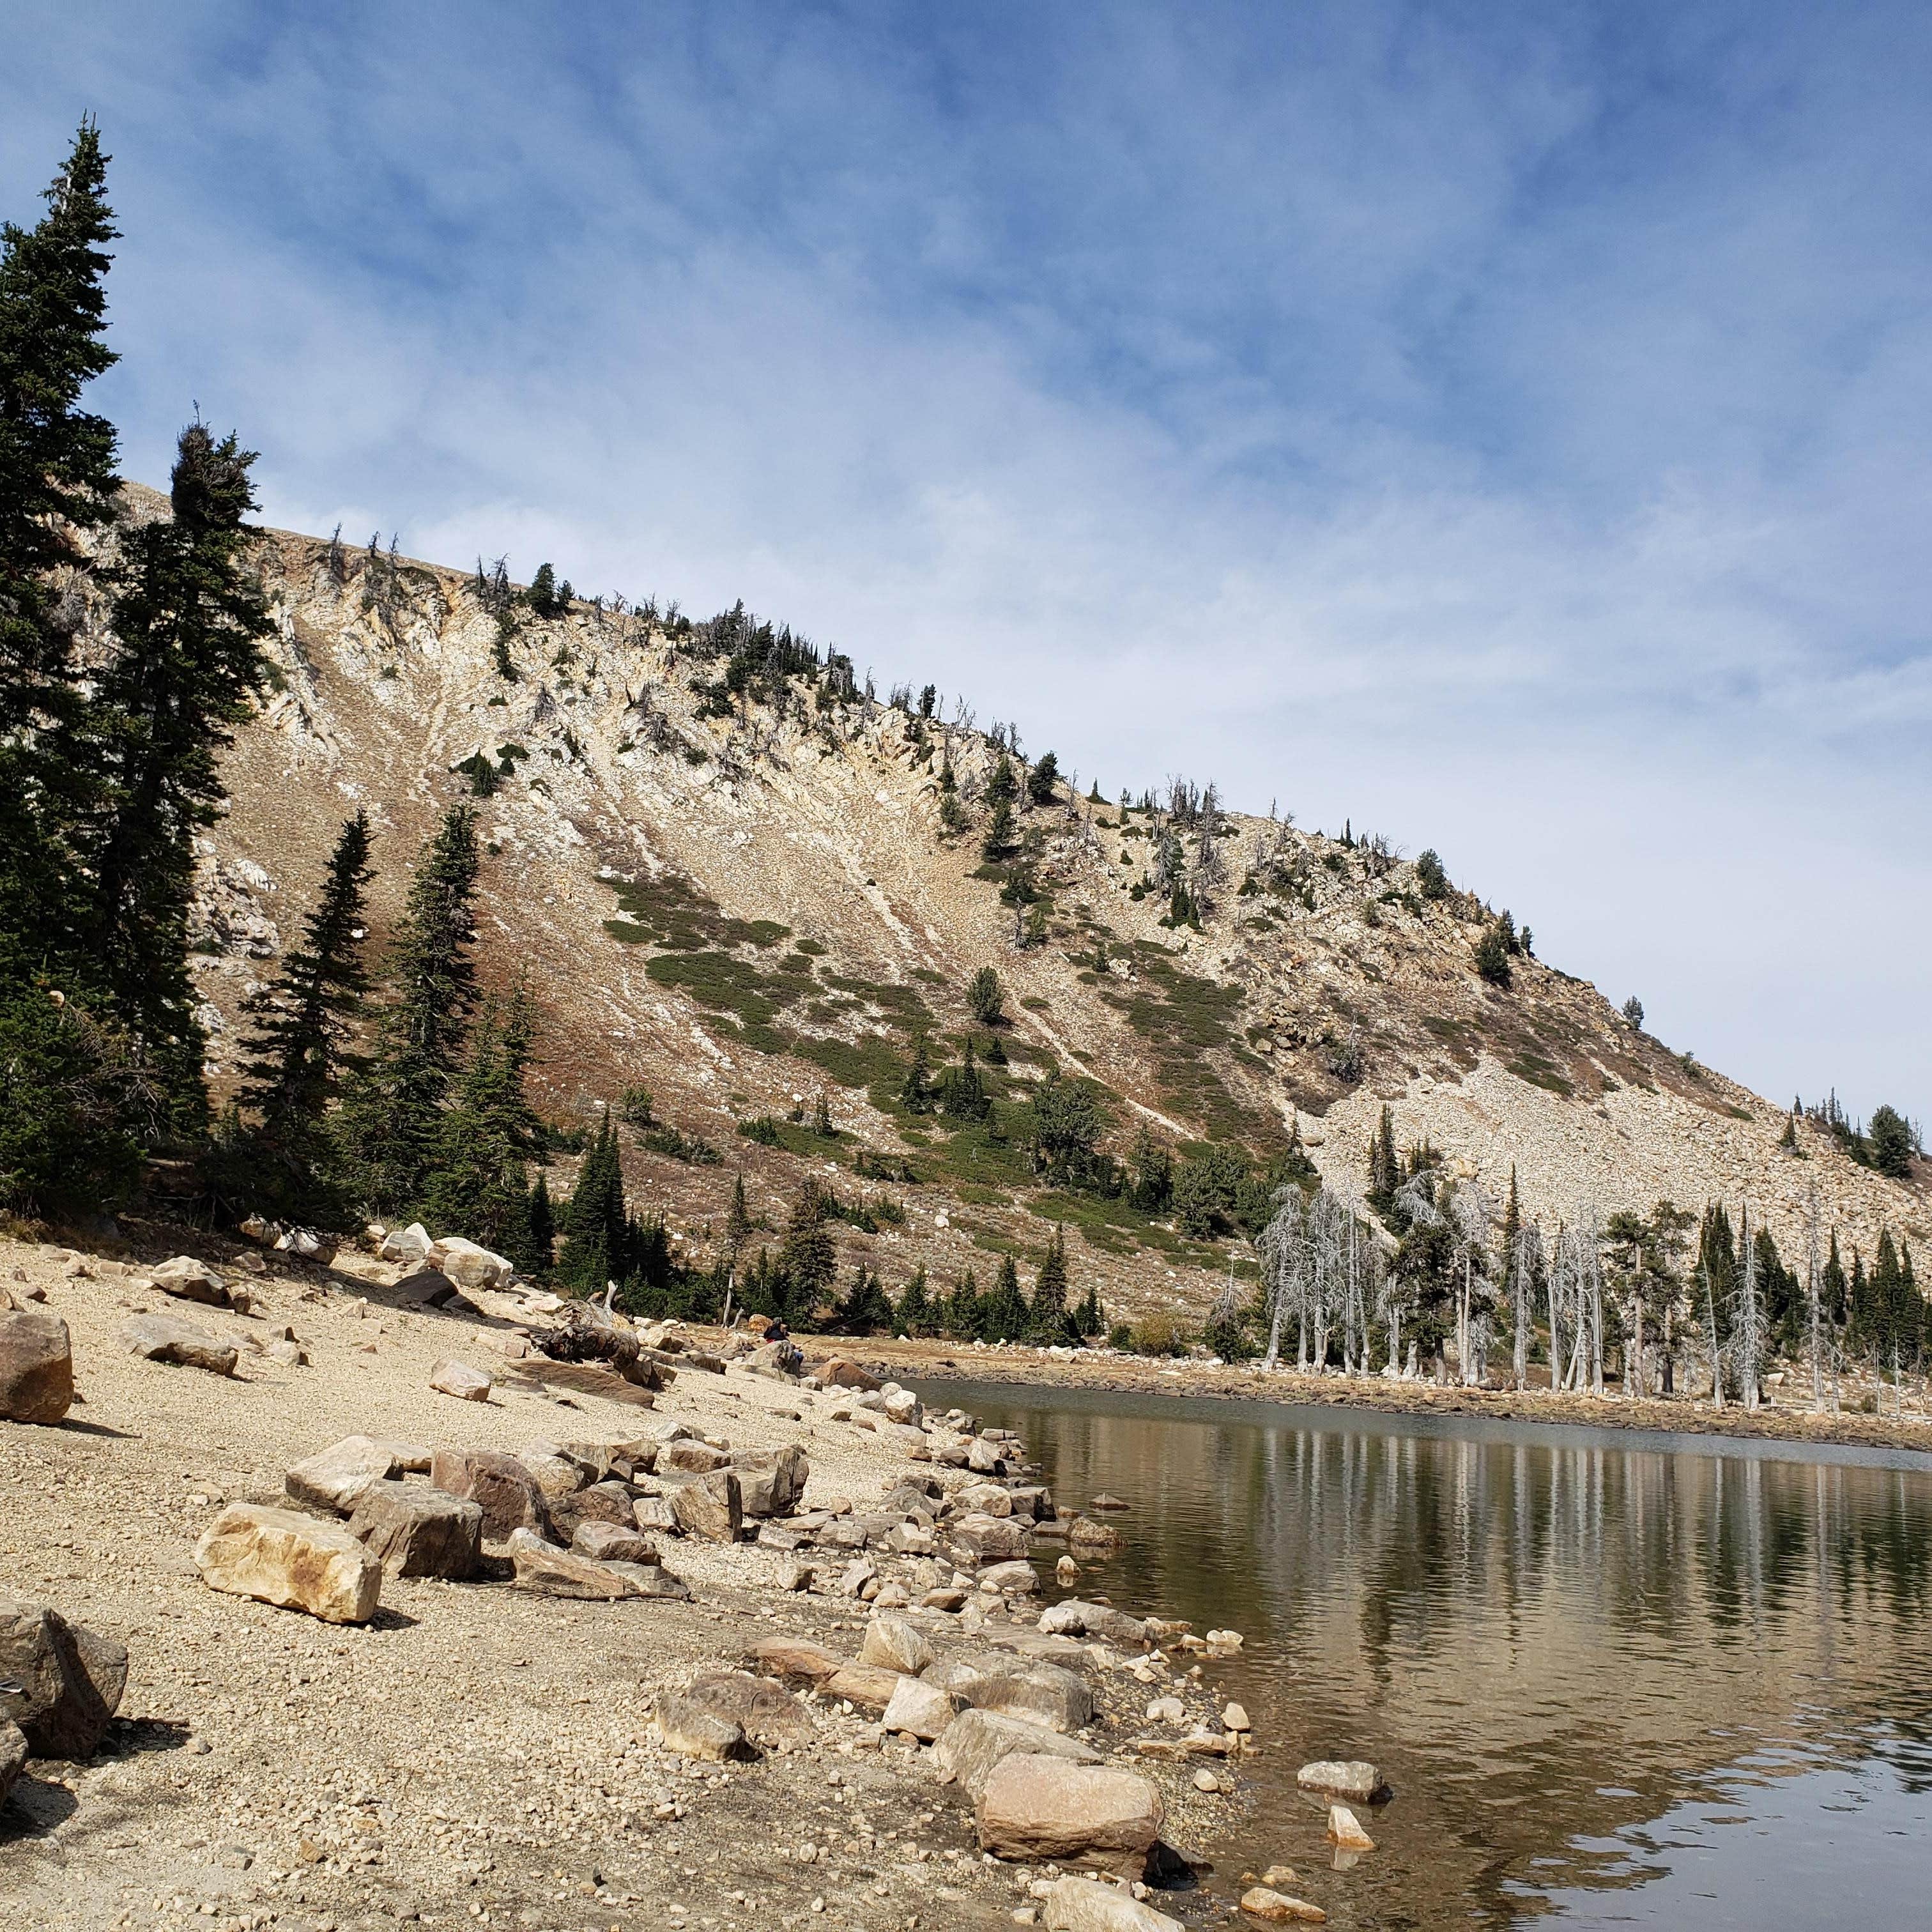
{"x": 478, "y": 1754}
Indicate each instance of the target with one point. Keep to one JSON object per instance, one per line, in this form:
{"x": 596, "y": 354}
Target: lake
{"x": 1615, "y": 1679}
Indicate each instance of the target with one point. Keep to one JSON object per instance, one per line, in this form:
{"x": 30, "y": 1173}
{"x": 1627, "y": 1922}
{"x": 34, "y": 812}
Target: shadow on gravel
{"x": 136, "y": 1737}
{"x": 33, "y": 1808}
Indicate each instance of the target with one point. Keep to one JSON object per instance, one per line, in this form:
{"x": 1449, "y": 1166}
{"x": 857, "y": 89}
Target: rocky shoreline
{"x": 1786, "y": 1418}
{"x": 418, "y": 1625}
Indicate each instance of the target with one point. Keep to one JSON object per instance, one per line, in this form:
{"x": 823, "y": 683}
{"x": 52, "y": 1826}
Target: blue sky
{"x": 1505, "y": 427}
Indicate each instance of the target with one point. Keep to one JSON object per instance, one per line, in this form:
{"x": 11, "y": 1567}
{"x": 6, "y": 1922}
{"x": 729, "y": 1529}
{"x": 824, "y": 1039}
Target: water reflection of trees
{"x": 1548, "y": 1642}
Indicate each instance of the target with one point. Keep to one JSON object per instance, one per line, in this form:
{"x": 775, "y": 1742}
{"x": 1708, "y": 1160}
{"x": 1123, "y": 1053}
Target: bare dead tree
{"x": 1524, "y": 1261}
{"x": 1813, "y": 1268}
{"x": 1283, "y": 1247}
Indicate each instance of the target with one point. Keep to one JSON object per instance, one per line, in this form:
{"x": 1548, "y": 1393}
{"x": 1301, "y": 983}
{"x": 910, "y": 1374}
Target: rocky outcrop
{"x": 293, "y": 1562}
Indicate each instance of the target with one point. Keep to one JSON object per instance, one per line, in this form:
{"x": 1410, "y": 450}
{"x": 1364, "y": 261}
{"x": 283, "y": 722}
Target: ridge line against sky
{"x": 1505, "y": 427}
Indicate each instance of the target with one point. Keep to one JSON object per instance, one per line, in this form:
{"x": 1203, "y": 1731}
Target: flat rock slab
{"x": 36, "y": 1367}
{"x": 70, "y": 1679}
{"x": 975, "y": 1742}
{"x": 451, "y": 1377}
{"x": 1081, "y": 1905}
{"x": 552, "y": 1571}
{"x": 861, "y": 1684}
{"x": 160, "y": 1338}
{"x": 1353, "y": 1778}
{"x": 412, "y": 1530}
{"x": 293, "y": 1562}
{"x": 796, "y": 1659}
{"x": 1037, "y": 1807}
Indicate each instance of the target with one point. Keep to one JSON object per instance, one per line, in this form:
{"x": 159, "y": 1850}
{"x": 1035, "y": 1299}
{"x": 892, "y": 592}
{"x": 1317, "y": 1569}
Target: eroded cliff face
{"x": 739, "y": 902}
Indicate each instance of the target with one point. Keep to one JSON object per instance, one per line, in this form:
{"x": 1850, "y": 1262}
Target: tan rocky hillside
{"x": 739, "y": 910}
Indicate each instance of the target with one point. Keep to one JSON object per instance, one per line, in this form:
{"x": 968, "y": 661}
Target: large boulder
{"x": 612, "y": 1542}
{"x": 293, "y": 1562}
{"x": 498, "y": 1484}
{"x": 70, "y": 1679}
{"x": 468, "y": 1263}
{"x": 36, "y": 1367}
{"x": 771, "y": 1481}
{"x": 976, "y": 1742}
{"x": 188, "y": 1279}
{"x": 990, "y": 1539}
{"x": 693, "y": 1731}
{"x": 160, "y": 1338}
{"x": 1073, "y": 1617}
{"x": 335, "y": 1477}
{"x": 409, "y": 1245}
{"x": 1353, "y": 1778}
{"x": 1017, "y": 1578}
{"x": 711, "y": 1506}
{"x": 891, "y": 1643}
{"x": 691, "y": 1457}
{"x": 609, "y": 1502}
{"x": 839, "y": 1373}
{"x": 1080, "y": 1905}
{"x": 412, "y": 1530}
{"x": 1035, "y": 1806}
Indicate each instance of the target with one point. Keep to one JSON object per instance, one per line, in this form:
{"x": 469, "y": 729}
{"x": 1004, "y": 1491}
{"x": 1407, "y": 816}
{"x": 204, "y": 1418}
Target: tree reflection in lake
{"x": 1601, "y": 1670}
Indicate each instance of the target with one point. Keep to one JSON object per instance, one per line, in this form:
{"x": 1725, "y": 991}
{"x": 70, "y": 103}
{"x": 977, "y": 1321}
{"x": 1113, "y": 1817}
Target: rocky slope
{"x": 739, "y": 906}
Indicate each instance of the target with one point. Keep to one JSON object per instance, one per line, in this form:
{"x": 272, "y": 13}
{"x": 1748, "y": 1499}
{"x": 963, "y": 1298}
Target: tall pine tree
{"x": 392, "y": 1121}
{"x": 295, "y": 1052}
{"x": 189, "y": 622}
{"x": 595, "y": 1224}
{"x": 479, "y": 1187}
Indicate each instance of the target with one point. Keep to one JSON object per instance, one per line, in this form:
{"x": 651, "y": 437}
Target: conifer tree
{"x": 188, "y": 623}
{"x": 1837, "y": 1292}
{"x": 595, "y": 1226}
{"x": 57, "y": 481}
{"x": 960, "y": 1093}
{"x": 294, "y": 1052}
{"x": 478, "y": 1187}
{"x": 866, "y": 1309}
{"x": 392, "y": 1120}
{"x": 807, "y": 1256}
{"x": 1890, "y": 1138}
{"x": 737, "y": 1222}
{"x": 1004, "y": 1313}
{"x": 962, "y": 1318}
{"x": 916, "y": 1095}
{"x": 1090, "y": 1319}
{"x": 1048, "y": 1322}
{"x": 985, "y": 998}
{"x": 917, "y": 1315}
{"x": 536, "y": 1253}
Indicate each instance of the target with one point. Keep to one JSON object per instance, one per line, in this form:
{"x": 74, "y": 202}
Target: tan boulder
{"x": 862, "y": 1684}
{"x": 891, "y": 1643}
{"x": 796, "y": 1659}
{"x": 771, "y": 1481}
{"x": 839, "y": 1373}
{"x": 468, "y": 1263}
{"x": 451, "y": 1377}
{"x": 1038, "y": 1693}
{"x": 188, "y": 1279}
{"x": 711, "y": 1506}
{"x": 160, "y": 1338}
{"x": 923, "y": 1710}
{"x": 1082, "y": 1905}
{"x": 552, "y": 1571}
{"x": 1345, "y": 1831}
{"x": 1038, "y": 1807}
{"x": 412, "y": 1530}
{"x": 36, "y": 1367}
{"x": 692, "y": 1731}
{"x": 766, "y": 1712}
{"x": 291, "y": 1561}
{"x": 612, "y": 1542}
{"x": 335, "y": 1477}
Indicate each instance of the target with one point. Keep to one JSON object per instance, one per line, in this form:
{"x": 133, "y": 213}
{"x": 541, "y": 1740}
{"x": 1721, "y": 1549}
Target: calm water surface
{"x": 1615, "y": 1680}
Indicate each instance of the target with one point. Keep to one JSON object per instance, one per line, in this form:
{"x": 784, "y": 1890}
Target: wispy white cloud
{"x": 1505, "y": 427}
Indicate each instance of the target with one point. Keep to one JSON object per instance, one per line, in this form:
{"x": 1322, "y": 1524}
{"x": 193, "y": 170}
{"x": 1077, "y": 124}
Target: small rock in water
{"x": 1277, "y": 1908}
{"x": 1354, "y": 1778}
{"x": 1344, "y": 1830}
{"x": 1105, "y": 1502}
{"x": 1066, "y": 1573}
